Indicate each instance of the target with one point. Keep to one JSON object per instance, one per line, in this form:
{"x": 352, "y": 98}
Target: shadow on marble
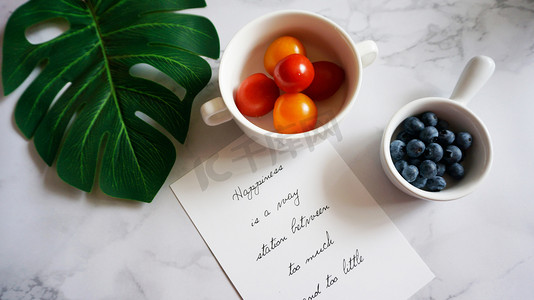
{"x": 53, "y": 183}
{"x": 366, "y": 166}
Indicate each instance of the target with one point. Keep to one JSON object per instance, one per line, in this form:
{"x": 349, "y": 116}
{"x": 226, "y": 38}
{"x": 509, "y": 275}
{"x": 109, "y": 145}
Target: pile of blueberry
{"x": 425, "y": 150}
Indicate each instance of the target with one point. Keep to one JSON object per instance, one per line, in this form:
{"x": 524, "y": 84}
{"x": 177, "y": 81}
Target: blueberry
{"x": 435, "y": 184}
{"x": 426, "y": 149}
{"x": 452, "y": 154}
{"x": 429, "y": 118}
{"x": 415, "y": 148}
{"x": 419, "y": 182}
{"x": 400, "y": 165}
{"x": 413, "y": 125}
{"x": 428, "y": 169}
{"x": 404, "y": 136}
{"x": 428, "y": 135}
{"x": 410, "y": 173}
{"x": 397, "y": 149}
{"x": 441, "y": 169}
{"x": 445, "y": 137}
{"x": 434, "y": 152}
{"x": 463, "y": 140}
{"x": 416, "y": 161}
{"x": 456, "y": 171}
{"x": 442, "y": 125}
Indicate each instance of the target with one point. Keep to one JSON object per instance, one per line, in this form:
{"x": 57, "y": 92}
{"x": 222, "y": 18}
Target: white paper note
{"x": 297, "y": 225}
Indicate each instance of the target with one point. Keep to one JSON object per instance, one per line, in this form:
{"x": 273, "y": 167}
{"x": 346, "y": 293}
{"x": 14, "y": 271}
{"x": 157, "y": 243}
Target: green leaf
{"x": 92, "y": 126}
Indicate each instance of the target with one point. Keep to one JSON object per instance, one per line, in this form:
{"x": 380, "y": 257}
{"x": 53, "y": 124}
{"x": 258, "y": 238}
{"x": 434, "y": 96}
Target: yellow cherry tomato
{"x": 279, "y": 49}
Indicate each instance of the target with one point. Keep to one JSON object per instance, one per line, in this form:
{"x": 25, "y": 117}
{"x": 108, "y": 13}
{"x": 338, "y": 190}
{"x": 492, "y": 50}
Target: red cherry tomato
{"x": 280, "y": 48}
{"x": 294, "y": 73}
{"x": 328, "y": 78}
{"x": 294, "y": 113}
{"x": 256, "y": 95}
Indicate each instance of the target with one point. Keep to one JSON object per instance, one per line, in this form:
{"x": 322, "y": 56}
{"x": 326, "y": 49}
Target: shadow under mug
{"x": 323, "y": 40}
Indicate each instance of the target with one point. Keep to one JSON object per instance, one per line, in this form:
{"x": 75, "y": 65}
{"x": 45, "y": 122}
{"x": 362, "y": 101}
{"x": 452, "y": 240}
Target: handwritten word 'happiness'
{"x": 254, "y": 189}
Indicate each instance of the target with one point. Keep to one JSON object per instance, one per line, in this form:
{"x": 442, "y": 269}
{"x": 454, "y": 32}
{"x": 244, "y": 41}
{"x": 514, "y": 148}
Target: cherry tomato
{"x": 294, "y": 113}
{"x": 328, "y": 78}
{"x": 280, "y": 48}
{"x": 256, "y": 95}
{"x": 294, "y": 73}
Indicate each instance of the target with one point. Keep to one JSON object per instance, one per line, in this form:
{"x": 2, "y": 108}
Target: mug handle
{"x": 368, "y": 52}
{"x": 215, "y": 112}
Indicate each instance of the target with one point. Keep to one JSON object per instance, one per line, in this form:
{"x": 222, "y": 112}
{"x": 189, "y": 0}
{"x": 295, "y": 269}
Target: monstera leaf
{"x": 82, "y": 107}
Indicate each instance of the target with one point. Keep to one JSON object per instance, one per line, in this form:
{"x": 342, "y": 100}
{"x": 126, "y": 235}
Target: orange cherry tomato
{"x": 256, "y": 95}
{"x": 294, "y": 113}
{"x": 280, "y": 48}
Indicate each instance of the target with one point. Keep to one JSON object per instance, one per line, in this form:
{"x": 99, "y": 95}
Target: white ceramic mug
{"x": 479, "y": 158}
{"x": 323, "y": 40}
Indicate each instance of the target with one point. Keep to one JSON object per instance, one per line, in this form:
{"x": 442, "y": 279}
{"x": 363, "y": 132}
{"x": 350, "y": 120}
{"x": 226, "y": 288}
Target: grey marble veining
{"x": 59, "y": 243}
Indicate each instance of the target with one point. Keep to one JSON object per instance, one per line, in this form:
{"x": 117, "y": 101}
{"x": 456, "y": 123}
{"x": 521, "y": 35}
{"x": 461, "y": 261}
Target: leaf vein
{"x": 73, "y": 6}
{"x": 43, "y": 45}
{"x": 59, "y": 13}
{"x": 76, "y": 94}
{"x": 115, "y": 100}
{"x": 85, "y": 135}
{"x": 118, "y": 3}
{"x": 158, "y": 24}
{"x": 164, "y": 58}
{"x": 153, "y": 97}
{"x": 45, "y": 88}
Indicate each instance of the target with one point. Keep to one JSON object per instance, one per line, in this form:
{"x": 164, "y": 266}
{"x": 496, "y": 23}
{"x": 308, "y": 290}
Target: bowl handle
{"x": 215, "y": 112}
{"x": 475, "y": 74}
{"x": 368, "y": 52}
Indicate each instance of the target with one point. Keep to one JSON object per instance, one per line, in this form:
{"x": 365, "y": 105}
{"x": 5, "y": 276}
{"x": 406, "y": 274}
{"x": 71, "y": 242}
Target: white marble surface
{"x": 59, "y": 243}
